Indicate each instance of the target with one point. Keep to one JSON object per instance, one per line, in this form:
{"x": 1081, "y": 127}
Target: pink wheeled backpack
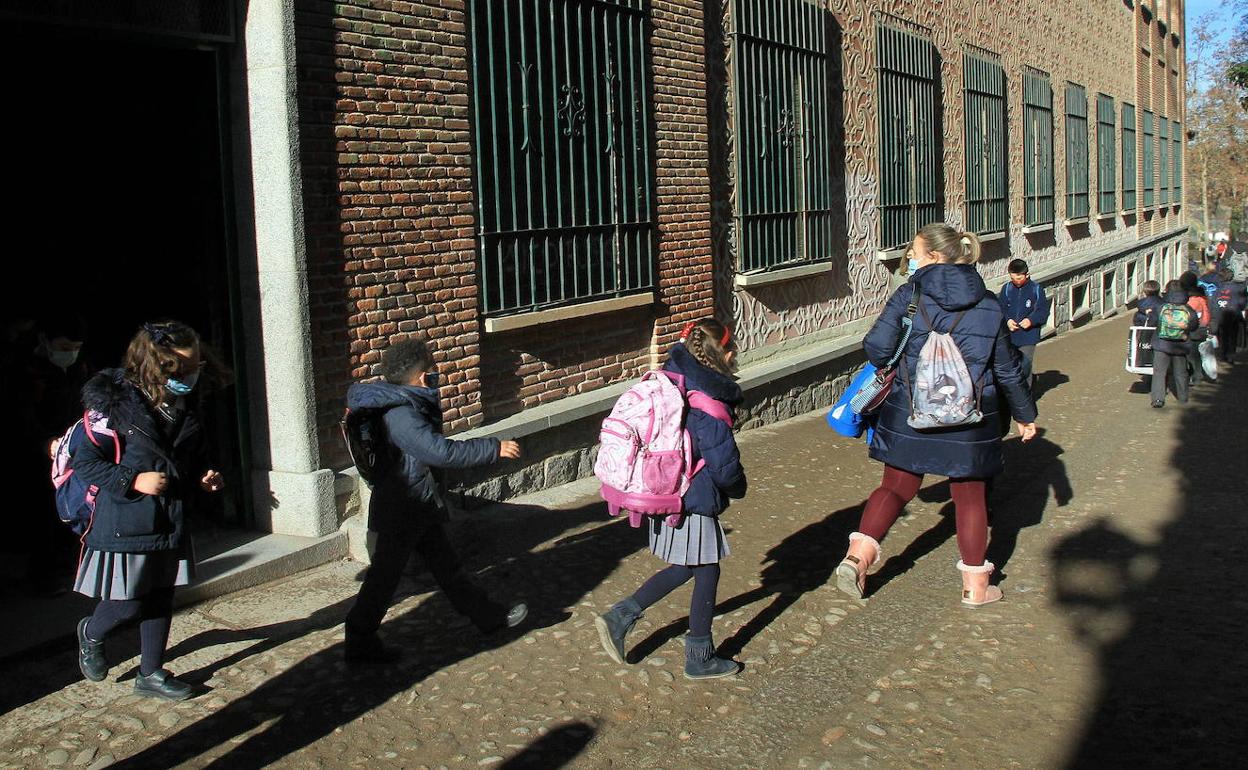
{"x": 645, "y": 454}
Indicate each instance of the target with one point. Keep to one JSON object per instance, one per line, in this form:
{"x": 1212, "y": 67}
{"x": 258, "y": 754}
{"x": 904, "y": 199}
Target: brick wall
{"x": 383, "y": 99}
{"x": 388, "y": 196}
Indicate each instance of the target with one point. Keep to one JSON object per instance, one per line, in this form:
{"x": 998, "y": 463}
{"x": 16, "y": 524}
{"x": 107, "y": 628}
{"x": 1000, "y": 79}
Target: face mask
{"x": 62, "y": 359}
{"x": 183, "y": 386}
{"x": 912, "y": 266}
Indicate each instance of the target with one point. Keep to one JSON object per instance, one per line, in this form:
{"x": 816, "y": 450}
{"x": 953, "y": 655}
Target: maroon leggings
{"x": 899, "y": 487}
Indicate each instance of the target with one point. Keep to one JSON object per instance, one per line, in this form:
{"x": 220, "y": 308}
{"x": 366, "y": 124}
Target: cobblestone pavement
{"x": 1121, "y": 540}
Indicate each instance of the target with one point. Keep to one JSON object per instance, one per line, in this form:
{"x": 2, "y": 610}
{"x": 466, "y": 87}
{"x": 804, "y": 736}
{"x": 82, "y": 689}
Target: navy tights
{"x": 155, "y": 613}
{"x": 701, "y": 606}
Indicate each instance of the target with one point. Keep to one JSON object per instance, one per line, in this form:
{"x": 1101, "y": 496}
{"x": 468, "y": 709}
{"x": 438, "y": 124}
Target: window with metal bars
{"x": 910, "y": 171}
{"x": 784, "y": 203}
{"x": 563, "y": 157}
{"x": 1150, "y": 172}
{"x": 1076, "y": 151}
{"x": 987, "y": 183}
{"x": 1037, "y": 148}
{"x": 1106, "y": 155}
{"x": 1129, "y": 169}
{"x": 1163, "y": 160}
{"x": 1177, "y": 178}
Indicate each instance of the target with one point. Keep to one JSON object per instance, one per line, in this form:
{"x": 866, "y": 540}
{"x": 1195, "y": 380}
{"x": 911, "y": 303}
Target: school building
{"x": 548, "y": 190}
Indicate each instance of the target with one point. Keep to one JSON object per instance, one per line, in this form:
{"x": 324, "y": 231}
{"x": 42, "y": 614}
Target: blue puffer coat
{"x": 970, "y": 452}
{"x": 126, "y": 521}
{"x": 413, "y": 418}
{"x": 722, "y": 477}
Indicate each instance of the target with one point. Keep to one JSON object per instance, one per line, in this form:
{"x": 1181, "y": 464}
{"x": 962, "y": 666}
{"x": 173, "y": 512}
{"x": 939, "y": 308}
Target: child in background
{"x": 1026, "y": 310}
{"x": 1150, "y": 302}
{"x": 705, "y": 357}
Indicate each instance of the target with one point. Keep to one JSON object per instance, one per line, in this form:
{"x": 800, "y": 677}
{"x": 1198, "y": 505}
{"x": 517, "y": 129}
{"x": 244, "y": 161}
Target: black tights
{"x": 155, "y": 613}
{"x": 701, "y": 606}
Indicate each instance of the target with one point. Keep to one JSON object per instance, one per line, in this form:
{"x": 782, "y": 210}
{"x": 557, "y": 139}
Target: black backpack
{"x": 364, "y": 432}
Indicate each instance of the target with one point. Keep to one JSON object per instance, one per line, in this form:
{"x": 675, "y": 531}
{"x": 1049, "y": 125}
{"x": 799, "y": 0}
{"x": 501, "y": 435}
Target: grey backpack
{"x": 943, "y": 394}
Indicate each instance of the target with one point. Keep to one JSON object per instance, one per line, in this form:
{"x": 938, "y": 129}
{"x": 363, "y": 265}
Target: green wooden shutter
{"x": 1106, "y": 151}
{"x": 1176, "y": 136}
{"x": 782, "y": 133}
{"x": 1150, "y": 173}
{"x": 1129, "y": 169}
{"x": 910, "y": 174}
{"x": 563, "y": 158}
{"x": 1076, "y": 151}
{"x": 1037, "y": 148}
{"x": 987, "y": 186}
{"x": 1163, "y": 160}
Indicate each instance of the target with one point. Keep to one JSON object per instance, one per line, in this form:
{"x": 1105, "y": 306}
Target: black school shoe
{"x": 161, "y": 684}
{"x": 91, "y": 660}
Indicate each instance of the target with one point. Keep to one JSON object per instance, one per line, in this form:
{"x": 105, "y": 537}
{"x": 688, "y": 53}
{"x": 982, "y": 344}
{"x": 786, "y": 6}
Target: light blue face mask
{"x": 182, "y": 387}
{"x": 63, "y": 358}
{"x": 912, "y": 266}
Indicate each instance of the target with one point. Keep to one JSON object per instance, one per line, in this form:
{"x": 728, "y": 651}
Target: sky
{"x": 1198, "y": 8}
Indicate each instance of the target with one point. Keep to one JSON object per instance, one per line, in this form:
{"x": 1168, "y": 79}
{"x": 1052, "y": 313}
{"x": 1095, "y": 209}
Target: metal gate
{"x": 987, "y": 208}
{"x": 1076, "y": 151}
{"x": 1106, "y": 153}
{"x": 561, "y": 109}
{"x": 1129, "y": 170}
{"x": 910, "y": 163}
{"x": 782, "y": 133}
{"x": 1037, "y": 148}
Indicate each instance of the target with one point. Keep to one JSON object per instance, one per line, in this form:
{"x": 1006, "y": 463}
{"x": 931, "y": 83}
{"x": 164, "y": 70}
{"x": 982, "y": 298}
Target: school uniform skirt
{"x": 119, "y": 576}
{"x": 698, "y": 540}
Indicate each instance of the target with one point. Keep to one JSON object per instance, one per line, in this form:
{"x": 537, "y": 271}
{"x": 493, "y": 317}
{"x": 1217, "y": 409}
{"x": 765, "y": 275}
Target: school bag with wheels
{"x": 943, "y": 395}
{"x": 75, "y": 498}
{"x": 368, "y": 443}
{"x": 1173, "y": 322}
{"x": 645, "y": 454}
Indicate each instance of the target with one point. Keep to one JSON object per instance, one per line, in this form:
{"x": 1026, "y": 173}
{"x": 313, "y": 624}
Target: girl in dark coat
{"x": 705, "y": 358}
{"x": 950, "y": 289}
{"x": 136, "y": 548}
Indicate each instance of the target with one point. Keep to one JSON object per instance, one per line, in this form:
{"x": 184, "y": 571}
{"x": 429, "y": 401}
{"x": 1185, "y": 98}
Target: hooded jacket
{"x": 1175, "y": 347}
{"x": 722, "y": 477}
{"x": 127, "y": 521}
{"x": 413, "y": 420}
{"x": 972, "y": 451}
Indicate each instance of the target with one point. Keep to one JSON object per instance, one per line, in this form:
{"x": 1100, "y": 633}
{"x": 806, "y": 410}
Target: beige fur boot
{"x": 851, "y": 573}
{"x": 975, "y": 589}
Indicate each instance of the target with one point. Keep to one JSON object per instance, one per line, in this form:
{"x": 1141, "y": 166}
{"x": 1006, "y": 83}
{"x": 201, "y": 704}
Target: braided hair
{"x": 705, "y": 342}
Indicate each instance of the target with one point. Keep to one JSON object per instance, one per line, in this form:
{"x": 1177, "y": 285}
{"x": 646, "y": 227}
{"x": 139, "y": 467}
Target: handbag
{"x": 874, "y": 390}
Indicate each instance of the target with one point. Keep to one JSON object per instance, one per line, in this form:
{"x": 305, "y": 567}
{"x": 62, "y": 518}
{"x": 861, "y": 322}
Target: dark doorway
{"x": 118, "y": 208}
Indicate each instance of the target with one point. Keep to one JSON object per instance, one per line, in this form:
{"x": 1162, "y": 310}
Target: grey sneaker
{"x": 517, "y": 614}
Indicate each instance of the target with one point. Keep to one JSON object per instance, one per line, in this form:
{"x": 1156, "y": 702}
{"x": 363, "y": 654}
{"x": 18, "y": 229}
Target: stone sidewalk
{"x": 1120, "y": 535}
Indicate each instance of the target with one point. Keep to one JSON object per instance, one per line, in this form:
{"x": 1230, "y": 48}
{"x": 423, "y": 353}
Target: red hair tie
{"x": 723, "y": 341}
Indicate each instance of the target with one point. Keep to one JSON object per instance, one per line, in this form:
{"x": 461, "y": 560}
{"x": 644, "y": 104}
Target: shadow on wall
{"x": 1169, "y": 620}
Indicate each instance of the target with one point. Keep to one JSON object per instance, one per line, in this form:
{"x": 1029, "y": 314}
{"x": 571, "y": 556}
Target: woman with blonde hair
{"x": 951, "y": 298}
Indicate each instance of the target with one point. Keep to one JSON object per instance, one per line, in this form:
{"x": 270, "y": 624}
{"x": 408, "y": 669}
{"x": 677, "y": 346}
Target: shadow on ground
{"x": 1168, "y": 620}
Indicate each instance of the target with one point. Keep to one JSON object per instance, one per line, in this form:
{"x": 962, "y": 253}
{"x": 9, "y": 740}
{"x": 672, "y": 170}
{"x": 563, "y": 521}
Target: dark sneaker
{"x": 517, "y": 614}
{"x": 91, "y": 660}
{"x": 161, "y": 684}
{"x": 369, "y": 650}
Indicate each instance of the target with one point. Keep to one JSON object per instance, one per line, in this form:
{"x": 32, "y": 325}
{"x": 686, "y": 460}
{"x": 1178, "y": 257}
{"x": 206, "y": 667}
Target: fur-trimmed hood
{"x": 110, "y": 393}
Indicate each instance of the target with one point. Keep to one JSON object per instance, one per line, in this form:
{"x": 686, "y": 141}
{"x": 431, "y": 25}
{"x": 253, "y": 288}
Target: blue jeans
{"x": 1028, "y": 354}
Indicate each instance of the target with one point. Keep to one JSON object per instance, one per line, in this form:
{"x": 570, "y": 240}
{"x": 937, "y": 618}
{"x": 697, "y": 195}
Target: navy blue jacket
{"x": 1026, "y": 301}
{"x": 1176, "y": 347}
{"x": 1146, "y": 310}
{"x": 127, "y": 521}
{"x": 413, "y": 419}
{"x": 973, "y": 451}
{"x": 722, "y": 477}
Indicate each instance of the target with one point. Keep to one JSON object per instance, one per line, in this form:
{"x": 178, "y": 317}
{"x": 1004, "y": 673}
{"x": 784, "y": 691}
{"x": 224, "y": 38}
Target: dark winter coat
{"x": 413, "y": 419}
{"x": 1175, "y": 347}
{"x": 722, "y": 477}
{"x": 1026, "y": 301}
{"x": 1146, "y": 310}
{"x": 972, "y": 451}
{"x": 127, "y": 521}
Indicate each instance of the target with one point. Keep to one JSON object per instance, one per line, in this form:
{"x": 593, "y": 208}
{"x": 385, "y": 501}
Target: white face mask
{"x": 63, "y": 359}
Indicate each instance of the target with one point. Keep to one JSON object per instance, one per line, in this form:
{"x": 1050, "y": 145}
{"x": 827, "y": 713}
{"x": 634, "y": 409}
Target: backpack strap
{"x": 713, "y": 407}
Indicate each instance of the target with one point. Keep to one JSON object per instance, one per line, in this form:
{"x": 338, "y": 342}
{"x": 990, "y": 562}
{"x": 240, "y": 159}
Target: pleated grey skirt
{"x": 698, "y": 540}
{"x": 116, "y": 576}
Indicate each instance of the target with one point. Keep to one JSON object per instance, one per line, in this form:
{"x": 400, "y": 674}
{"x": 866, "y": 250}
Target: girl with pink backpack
{"x": 693, "y": 543}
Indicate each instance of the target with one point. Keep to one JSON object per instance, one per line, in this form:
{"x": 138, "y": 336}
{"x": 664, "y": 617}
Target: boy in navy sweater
{"x": 1026, "y": 310}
